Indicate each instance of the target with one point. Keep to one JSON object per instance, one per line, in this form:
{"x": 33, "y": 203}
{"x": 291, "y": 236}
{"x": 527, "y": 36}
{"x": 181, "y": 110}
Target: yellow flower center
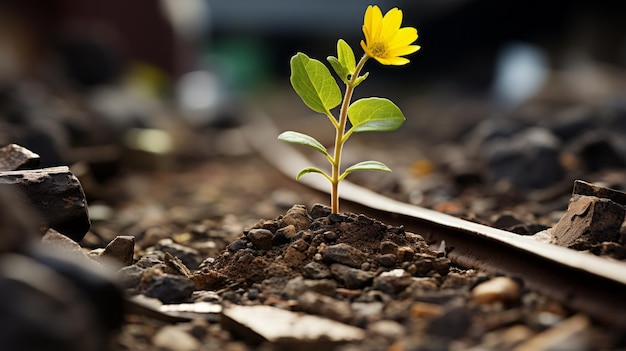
{"x": 379, "y": 49}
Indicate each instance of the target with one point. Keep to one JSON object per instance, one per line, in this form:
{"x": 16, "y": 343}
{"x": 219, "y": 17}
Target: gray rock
{"x": 529, "y": 159}
{"x": 392, "y": 282}
{"x": 326, "y": 306}
{"x": 169, "y": 288}
{"x": 344, "y": 254}
{"x": 316, "y": 270}
{"x": 351, "y": 278}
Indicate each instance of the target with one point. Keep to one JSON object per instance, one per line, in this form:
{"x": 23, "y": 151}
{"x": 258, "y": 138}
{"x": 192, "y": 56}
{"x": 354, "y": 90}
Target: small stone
{"x": 121, "y": 249}
{"x": 452, "y": 323}
{"x": 297, "y": 286}
{"x": 351, "y": 278}
{"x": 319, "y": 211}
{"x": 174, "y": 338}
{"x": 393, "y": 281}
{"x": 344, "y": 254}
{"x": 261, "y": 238}
{"x": 326, "y": 306}
{"x": 169, "y": 288}
{"x": 284, "y": 235}
{"x": 316, "y": 270}
{"x": 296, "y": 216}
{"x": 387, "y": 260}
{"x": 387, "y": 328}
{"x": 388, "y": 247}
{"x": 405, "y": 254}
{"x": 129, "y": 276}
{"x": 499, "y": 289}
{"x": 237, "y": 245}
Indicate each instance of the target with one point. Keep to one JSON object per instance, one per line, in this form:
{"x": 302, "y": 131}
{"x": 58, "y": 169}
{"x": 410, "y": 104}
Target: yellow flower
{"x": 385, "y": 41}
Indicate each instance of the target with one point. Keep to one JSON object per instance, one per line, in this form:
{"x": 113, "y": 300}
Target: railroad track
{"x": 580, "y": 281}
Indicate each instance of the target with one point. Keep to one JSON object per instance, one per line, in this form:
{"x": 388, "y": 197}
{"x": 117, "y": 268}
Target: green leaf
{"x": 346, "y": 56}
{"x": 345, "y": 63}
{"x": 360, "y": 79}
{"x": 312, "y": 170}
{"x": 303, "y": 139}
{"x": 339, "y": 69}
{"x": 365, "y": 166}
{"x": 375, "y": 115}
{"x": 313, "y": 82}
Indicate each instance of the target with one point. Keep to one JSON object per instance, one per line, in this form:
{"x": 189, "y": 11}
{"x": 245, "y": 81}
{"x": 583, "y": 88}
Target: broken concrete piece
{"x": 595, "y": 214}
{"x": 288, "y": 330}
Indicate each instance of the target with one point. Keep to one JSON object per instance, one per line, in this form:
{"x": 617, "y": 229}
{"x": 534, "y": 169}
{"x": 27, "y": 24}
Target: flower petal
{"x": 403, "y": 51}
{"x": 391, "y": 23}
{"x": 374, "y": 22}
{"x": 404, "y": 36}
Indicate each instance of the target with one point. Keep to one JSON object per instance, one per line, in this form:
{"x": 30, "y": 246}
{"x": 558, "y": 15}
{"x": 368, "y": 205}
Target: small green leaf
{"x": 346, "y": 56}
{"x": 312, "y": 170}
{"x": 314, "y": 84}
{"x": 375, "y": 115}
{"x": 361, "y": 78}
{"x": 344, "y": 64}
{"x": 338, "y": 68}
{"x": 303, "y": 139}
{"x": 365, "y": 166}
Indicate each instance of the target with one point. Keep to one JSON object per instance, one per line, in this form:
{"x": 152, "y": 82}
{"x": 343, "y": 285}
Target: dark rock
{"x": 129, "y": 276}
{"x": 453, "y": 323}
{"x": 591, "y": 219}
{"x": 326, "y": 306}
{"x": 261, "y": 238}
{"x": 387, "y": 260}
{"x": 600, "y": 150}
{"x": 351, "y": 278}
{"x": 316, "y": 270}
{"x": 529, "y": 159}
{"x": 169, "y": 288}
{"x": 284, "y": 235}
{"x": 320, "y": 211}
{"x": 392, "y": 282}
{"x": 344, "y": 254}
{"x": 237, "y": 245}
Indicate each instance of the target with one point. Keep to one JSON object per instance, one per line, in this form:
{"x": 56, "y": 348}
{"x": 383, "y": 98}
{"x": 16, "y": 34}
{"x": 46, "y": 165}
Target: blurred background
{"x": 80, "y": 77}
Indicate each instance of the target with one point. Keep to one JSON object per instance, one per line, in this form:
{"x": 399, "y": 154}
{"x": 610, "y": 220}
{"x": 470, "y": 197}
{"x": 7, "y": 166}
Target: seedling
{"x": 386, "y": 42}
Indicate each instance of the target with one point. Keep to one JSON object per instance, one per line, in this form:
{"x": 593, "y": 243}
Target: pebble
{"x": 121, "y": 249}
{"x": 392, "y": 282}
{"x": 351, "y": 278}
{"x": 344, "y": 254}
{"x": 284, "y": 235}
{"x": 174, "y": 338}
{"x": 261, "y": 238}
{"x": 316, "y": 270}
{"x": 298, "y": 217}
{"x": 326, "y": 306}
{"x": 499, "y": 289}
{"x": 169, "y": 288}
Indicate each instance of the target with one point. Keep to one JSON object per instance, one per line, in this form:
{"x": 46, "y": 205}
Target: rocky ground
{"x": 233, "y": 255}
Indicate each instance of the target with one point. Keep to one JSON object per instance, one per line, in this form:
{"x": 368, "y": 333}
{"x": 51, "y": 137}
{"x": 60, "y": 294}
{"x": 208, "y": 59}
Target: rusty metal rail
{"x": 580, "y": 281}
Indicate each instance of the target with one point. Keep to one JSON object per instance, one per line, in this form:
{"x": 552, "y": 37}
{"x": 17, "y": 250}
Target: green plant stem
{"x": 339, "y": 137}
